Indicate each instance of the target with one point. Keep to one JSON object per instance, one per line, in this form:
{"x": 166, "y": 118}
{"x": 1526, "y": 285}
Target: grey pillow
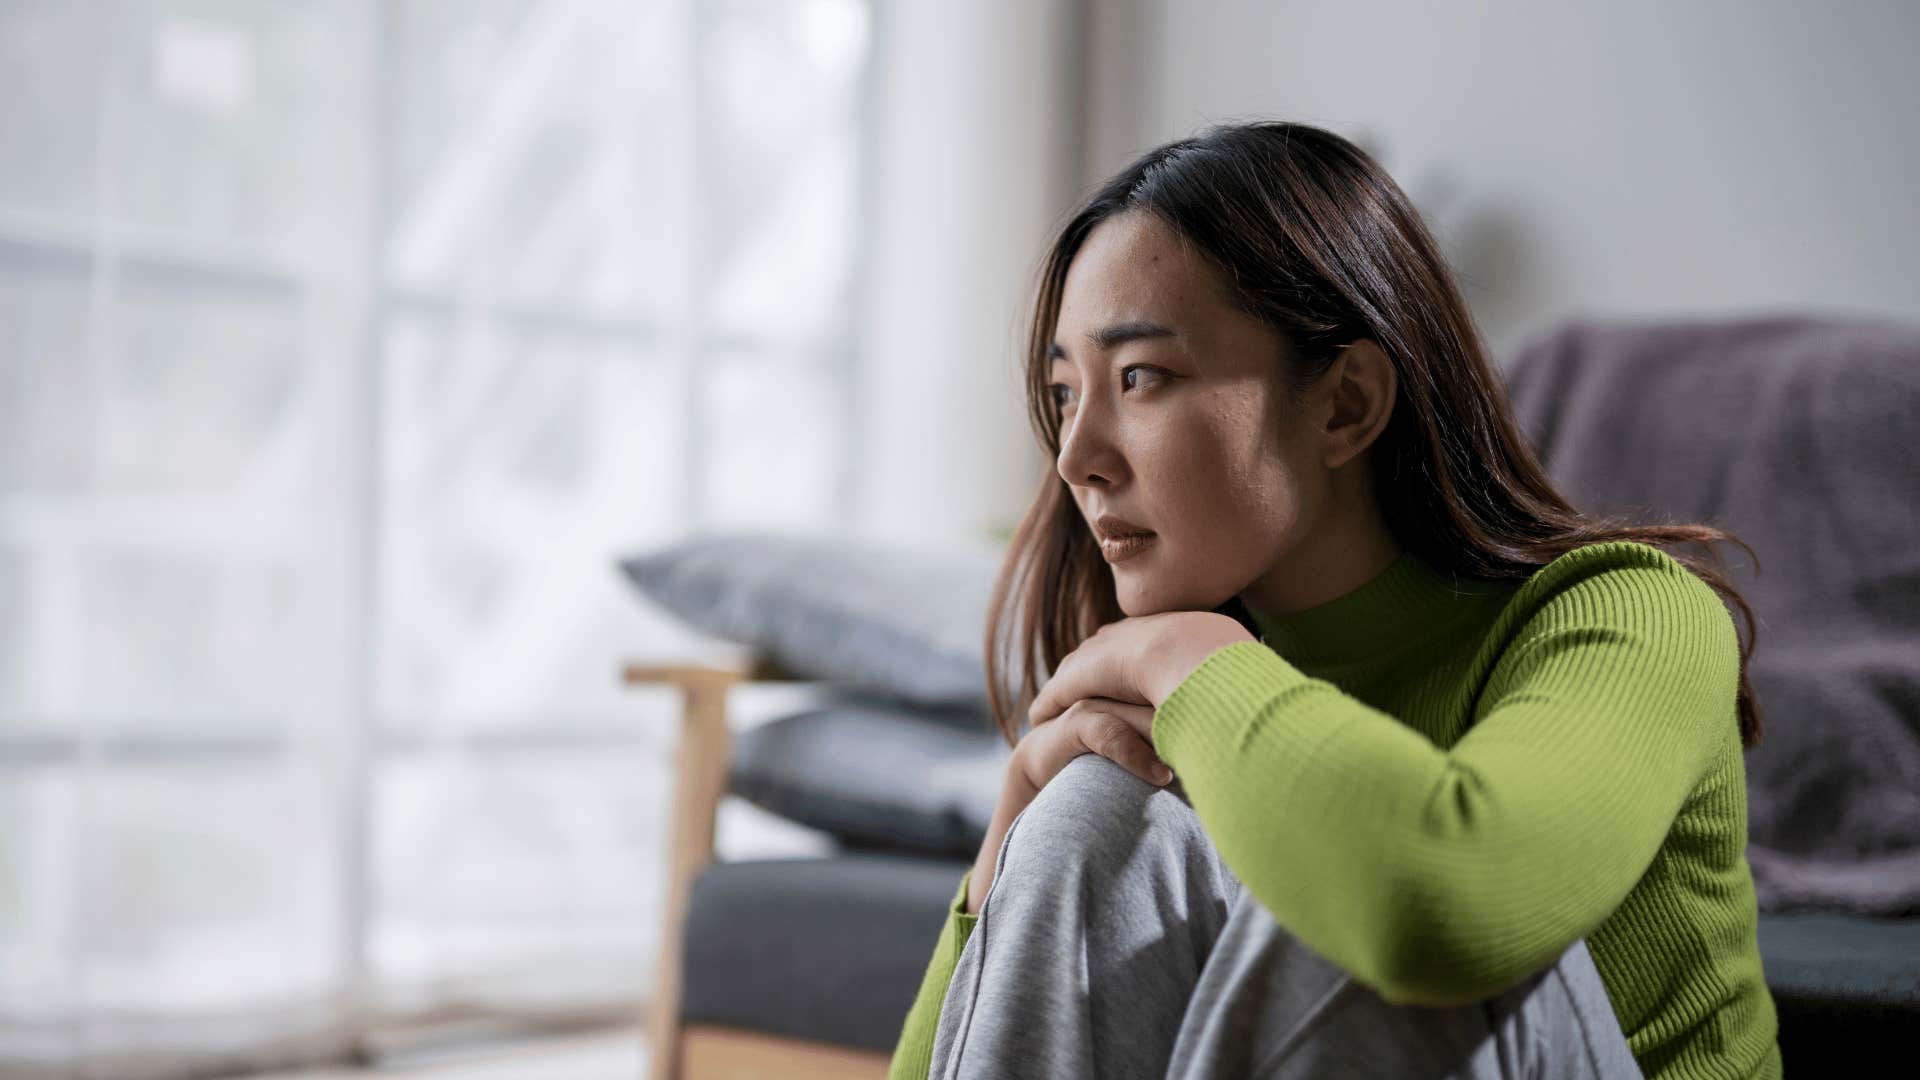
{"x": 891, "y": 621}
{"x": 875, "y": 775}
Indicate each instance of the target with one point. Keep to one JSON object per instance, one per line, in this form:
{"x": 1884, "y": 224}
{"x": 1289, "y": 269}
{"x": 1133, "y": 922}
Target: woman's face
{"x": 1174, "y": 419}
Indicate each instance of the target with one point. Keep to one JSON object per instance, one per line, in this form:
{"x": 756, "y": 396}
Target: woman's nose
{"x": 1088, "y": 454}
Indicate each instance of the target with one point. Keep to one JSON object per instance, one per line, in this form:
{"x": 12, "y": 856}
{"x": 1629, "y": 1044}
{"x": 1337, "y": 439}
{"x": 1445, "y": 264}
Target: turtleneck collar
{"x": 1404, "y": 604}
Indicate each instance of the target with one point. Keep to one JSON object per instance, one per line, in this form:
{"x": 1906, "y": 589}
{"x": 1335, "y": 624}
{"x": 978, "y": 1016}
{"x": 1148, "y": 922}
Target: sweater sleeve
{"x": 913, "y": 1053}
{"x": 1441, "y": 877}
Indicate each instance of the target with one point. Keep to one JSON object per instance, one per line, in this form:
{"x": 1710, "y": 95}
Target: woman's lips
{"x": 1121, "y": 548}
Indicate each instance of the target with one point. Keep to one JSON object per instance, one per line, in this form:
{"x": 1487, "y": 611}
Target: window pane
{"x": 782, "y": 134}
{"x": 204, "y": 385}
{"x": 41, "y": 644}
{"x": 37, "y": 936}
{"x": 16, "y": 660}
{"x": 176, "y": 642}
{"x": 776, "y": 424}
{"x": 538, "y": 156}
{"x": 519, "y": 466}
{"x": 49, "y": 79}
{"x": 44, "y": 424}
{"x": 788, "y": 278}
{"x": 494, "y": 872}
{"x": 229, "y": 105}
{"x": 208, "y": 886}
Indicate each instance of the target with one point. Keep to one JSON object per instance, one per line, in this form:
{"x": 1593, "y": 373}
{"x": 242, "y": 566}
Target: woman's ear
{"x": 1361, "y": 387}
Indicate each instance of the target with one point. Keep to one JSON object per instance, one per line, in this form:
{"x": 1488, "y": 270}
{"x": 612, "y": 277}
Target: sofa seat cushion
{"x": 1846, "y": 987}
{"x": 831, "y": 949}
{"x": 1843, "y": 958}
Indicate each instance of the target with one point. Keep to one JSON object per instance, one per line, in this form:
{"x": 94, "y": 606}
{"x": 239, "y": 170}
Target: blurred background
{"x": 345, "y": 344}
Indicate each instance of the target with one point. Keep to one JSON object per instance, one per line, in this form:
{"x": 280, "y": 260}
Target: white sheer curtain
{"x": 343, "y": 344}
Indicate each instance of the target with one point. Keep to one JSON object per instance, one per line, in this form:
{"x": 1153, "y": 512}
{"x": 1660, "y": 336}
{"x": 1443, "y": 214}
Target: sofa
{"x": 1797, "y": 433}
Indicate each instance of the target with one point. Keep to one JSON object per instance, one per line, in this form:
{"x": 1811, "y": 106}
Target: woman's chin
{"x": 1139, "y": 597}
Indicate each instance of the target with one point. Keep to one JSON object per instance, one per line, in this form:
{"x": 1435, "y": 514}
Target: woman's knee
{"x": 1094, "y": 810}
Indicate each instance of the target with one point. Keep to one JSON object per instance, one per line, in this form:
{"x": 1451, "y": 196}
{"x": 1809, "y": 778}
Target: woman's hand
{"x": 1101, "y": 700}
{"x": 1113, "y": 729}
{"x": 1137, "y": 660}
{"x": 1119, "y": 730}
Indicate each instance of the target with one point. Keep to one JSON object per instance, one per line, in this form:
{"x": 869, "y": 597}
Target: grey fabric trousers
{"x": 1113, "y": 942}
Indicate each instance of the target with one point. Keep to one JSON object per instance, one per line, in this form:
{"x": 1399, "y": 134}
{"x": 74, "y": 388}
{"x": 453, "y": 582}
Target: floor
{"x": 611, "y": 1054}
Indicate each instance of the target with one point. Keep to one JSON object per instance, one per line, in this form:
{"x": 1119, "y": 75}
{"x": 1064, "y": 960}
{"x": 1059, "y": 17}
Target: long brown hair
{"x": 1315, "y": 239}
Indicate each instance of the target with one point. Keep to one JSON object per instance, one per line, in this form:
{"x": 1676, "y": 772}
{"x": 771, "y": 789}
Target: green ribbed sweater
{"x": 1440, "y": 786}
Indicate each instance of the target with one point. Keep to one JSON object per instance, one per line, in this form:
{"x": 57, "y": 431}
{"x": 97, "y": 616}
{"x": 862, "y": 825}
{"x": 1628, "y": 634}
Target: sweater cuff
{"x": 957, "y": 911}
{"x": 1211, "y": 705}
{"x": 913, "y": 1051}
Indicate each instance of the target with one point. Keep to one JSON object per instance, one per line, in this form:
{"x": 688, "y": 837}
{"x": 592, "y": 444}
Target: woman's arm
{"x": 1444, "y": 876}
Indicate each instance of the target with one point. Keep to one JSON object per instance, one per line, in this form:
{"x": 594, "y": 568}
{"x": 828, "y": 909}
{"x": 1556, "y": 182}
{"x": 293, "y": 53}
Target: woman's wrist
{"x": 1184, "y": 648}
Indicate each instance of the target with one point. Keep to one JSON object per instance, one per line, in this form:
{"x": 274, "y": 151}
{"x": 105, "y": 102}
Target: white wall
{"x": 1625, "y": 159}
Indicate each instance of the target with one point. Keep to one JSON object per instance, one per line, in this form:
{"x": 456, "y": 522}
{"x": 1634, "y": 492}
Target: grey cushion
{"x": 1847, "y": 990}
{"x": 1798, "y": 435}
{"x": 888, "y": 620}
{"x": 876, "y": 775}
{"x": 831, "y": 949}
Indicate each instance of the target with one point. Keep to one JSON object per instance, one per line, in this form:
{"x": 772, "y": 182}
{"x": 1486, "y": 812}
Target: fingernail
{"x": 1163, "y": 774}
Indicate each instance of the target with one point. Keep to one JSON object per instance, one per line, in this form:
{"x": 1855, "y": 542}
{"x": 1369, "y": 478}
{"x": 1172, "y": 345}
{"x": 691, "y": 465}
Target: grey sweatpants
{"x": 1113, "y": 942}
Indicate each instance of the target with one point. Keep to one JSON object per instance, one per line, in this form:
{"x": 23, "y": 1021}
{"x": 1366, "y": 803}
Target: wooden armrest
{"x": 700, "y": 781}
{"x": 755, "y": 667}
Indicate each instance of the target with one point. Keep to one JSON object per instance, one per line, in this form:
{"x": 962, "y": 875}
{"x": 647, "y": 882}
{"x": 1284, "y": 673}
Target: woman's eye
{"x": 1061, "y": 390}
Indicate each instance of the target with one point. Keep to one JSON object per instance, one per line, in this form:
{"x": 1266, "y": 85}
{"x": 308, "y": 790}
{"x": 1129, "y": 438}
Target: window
{"x": 343, "y": 346}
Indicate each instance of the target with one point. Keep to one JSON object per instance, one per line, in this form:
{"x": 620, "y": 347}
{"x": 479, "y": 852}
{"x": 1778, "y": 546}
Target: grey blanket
{"x": 1802, "y": 436}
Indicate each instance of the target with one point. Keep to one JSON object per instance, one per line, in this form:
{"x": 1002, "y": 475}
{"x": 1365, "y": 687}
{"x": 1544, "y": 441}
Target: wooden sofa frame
{"x": 710, "y": 1051}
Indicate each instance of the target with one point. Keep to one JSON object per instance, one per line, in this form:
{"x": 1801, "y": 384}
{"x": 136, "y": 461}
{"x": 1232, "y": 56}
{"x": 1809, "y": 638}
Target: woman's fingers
{"x": 1107, "y": 728}
{"x": 1137, "y": 717}
{"x": 1049, "y": 703}
{"x": 1081, "y": 675}
{"x": 1113, "y": 738}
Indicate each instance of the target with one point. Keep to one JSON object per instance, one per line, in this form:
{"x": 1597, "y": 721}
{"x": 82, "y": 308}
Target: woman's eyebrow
{"x": 1118, "y": 334}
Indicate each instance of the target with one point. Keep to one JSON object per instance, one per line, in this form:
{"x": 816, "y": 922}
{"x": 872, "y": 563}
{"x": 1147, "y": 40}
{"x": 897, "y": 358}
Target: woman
{"x": 1460, "y": 782}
